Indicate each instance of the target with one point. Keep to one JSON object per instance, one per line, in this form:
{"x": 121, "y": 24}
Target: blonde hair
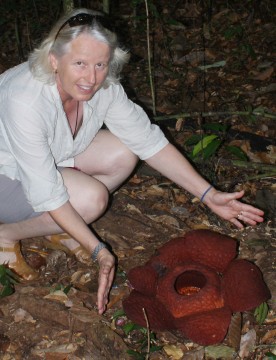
{"x": 39, "y": 60}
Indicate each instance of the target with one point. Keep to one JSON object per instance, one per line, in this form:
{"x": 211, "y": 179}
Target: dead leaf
{"x": 173, "y": 351}
{"x": 4, "y": 343}
{"x": 234, "y": 331}
{"x": 117, "y": 295}
{"x": 85, "y": 315}
{"x": 56, "y": 352}
{"x": 264, "y": 75}
{"x": 179, "y": 124}
{"x": 269, "y": 337}
{"x": 57, "y": 295}
{"x": 133, "y": 208}
{"x": 197, "y": 354}
{"x": 21, "y": 314}
{"x": 165, "y": 219}
{"x": 248, "y": 342}
{"x": 81, "y": 277}
{"x": 219, "y": 351}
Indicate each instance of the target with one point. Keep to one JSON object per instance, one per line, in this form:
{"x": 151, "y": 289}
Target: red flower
{"x": 193, "y": 284}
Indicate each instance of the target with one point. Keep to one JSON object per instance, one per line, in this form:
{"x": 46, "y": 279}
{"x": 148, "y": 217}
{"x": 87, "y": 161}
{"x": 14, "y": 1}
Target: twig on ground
{"x": 148, "y": 334}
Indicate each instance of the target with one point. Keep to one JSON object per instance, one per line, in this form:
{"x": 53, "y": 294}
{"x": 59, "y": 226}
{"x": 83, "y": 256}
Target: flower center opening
{"x": 189, "y": 283}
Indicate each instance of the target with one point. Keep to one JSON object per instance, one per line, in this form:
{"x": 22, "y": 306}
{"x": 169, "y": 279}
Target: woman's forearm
{"x": 172, "y": 164}
{"x": 73, "y": 224}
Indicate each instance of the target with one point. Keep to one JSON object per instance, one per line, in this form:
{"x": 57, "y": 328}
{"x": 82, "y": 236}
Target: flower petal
{"x": 211, "y": 248}
{"x": 243, "y": 286}
{"x": 204, "y": 246}
{"x": 143, "y": 279}
{"x": 158, "y": 316}
{"x": 169, "y": 255}
{"x": 205, "y": 328}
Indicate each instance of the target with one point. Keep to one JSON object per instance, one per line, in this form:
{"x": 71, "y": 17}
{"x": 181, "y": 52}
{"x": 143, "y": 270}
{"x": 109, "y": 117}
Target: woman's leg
{"x": 105, "y": 163}
{"x": 87, "y": 195}
{"x": 108, "y": 160}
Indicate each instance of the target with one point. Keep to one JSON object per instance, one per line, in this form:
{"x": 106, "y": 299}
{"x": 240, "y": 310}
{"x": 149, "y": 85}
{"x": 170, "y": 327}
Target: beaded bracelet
{"x": 205, "y": 192}
{"x": 97, "y": 249}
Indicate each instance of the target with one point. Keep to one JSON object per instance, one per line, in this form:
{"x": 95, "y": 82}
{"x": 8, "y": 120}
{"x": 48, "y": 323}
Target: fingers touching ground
{"x": 106, "y": 276}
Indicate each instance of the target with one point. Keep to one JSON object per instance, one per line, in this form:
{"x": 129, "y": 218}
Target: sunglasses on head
{"x": 84, "y": 19}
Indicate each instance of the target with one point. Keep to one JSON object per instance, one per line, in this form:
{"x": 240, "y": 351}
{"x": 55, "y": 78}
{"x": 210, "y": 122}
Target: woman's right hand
{"x": 106, "y": 275}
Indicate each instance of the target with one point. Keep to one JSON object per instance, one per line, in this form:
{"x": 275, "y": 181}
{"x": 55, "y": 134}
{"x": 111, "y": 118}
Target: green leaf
{"x": 136, "y": 354}
{"x": 270, "y": 356}
{"x": 202, "y": 144}
{"x": 130, "y": 327}
{"x": 260, "y": 110}
{"x": 6, "y": 291}
{"x": 118, "y": 314}
{"x": 216, "y": 127}
{"x": 2, "y": 270}
{"x": 194, "y": 139}
{"x": 261, "y": 312}
{"x": 67, "y": 289}
{"x": 238, "y": 152}
{"x": 155, "y": 348}
{"x": 211, "y": 149}
{"x": 233, "y": 31}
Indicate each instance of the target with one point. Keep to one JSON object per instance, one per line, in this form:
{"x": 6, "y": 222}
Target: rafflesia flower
{"x": 193, "y": 284}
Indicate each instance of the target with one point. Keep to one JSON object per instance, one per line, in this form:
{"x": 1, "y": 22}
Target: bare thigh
{"x": 107, "y": 159}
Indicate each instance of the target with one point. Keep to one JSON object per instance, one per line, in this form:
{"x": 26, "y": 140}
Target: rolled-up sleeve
{"x": 25, "y": 134}
{"x": 129, "y": 122}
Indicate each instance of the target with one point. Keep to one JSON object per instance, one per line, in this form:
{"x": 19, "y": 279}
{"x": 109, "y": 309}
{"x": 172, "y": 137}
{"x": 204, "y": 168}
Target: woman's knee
{"x": 95, "y": 201}
{"x": 87, "y": 195}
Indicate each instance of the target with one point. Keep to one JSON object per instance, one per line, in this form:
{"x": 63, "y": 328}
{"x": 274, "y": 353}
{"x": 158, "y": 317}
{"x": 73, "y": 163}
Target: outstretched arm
{"x": 172, "y": 164}
{"x": 72, "y": 223}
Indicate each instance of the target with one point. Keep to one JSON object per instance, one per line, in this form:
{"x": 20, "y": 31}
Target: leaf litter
{"x": 40, "y": 320}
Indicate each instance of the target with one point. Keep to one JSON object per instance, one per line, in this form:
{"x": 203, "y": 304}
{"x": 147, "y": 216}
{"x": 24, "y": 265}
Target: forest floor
{"x": 218, "y": 61}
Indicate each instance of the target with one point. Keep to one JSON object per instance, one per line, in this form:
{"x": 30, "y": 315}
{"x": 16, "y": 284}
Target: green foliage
{"x": 237, "y": 152}
{"x": 129, "y": 328}
{"x": 63, "y": 288}
{"x": 270, "y": 356}
{"x": 207, "y": 146}
{"x": 7, "y": 280}
{"x": 238, "y": 33}
{"x": 261, "y": 312}
{"x": 119, "y": 313}
{"x": 233, "y": 32}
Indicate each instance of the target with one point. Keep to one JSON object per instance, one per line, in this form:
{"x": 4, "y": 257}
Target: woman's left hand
{"x": 227, "y": 206}
{"x": 106, "y": 275}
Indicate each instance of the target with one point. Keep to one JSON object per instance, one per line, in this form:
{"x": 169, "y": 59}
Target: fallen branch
{"x": 214, "y": 113}
{"x": 149, "y": 61}
{"x": 271, "y": 169}
{"x": 148, "y": 333}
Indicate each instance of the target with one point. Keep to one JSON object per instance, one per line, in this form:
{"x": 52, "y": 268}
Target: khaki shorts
{"x": 14, "y": 206}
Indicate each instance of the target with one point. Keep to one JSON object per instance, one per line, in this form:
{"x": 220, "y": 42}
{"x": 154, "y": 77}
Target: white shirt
{"x": 35, "y": 136}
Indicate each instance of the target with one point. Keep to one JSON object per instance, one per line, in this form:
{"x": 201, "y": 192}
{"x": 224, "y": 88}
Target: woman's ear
{"x": 53, "y": 62}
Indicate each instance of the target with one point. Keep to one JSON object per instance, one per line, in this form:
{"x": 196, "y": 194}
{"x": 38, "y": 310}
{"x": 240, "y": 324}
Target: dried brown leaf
{"x": 234, "y": 331}
{"x": 269, "y": 337}
{"x": 264, "y": 75}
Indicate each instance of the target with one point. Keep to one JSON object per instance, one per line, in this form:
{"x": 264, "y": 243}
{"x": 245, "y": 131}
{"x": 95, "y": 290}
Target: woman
{"x": 57, "y": 167}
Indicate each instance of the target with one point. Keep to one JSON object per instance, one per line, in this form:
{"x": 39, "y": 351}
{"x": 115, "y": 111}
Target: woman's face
{"x": 82, "y": 70}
